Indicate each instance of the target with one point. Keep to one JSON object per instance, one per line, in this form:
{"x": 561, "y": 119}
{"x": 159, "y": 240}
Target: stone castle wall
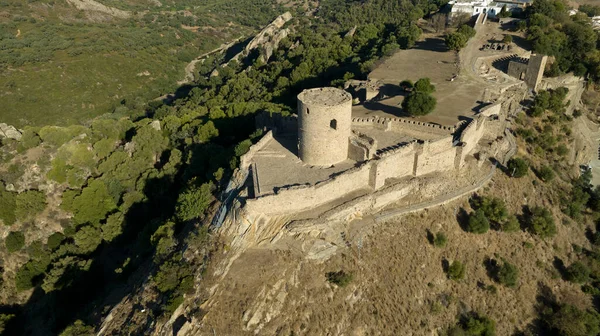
{"x": 302, "y": 198}
{"x": 435, "y": 156}
{"x": 471, "y": 135}
{"x": 416, "y": 158}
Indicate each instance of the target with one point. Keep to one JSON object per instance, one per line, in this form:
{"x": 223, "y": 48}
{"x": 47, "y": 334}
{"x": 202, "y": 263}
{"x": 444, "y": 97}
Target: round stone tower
{"x": 324, "y": 121}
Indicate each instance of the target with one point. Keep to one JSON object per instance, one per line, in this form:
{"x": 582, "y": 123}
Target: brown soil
{"x": 399, "y": 286}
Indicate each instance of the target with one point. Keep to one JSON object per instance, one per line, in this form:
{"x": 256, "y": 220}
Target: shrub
{"x": 55, "y": 240}
{"x": 30, "y": 203}
{"x": 493, "y": 208}
{"x": 78, "y": 329}
{"x": 456, "y": 41}
{"x": 545, "y": 173}
{"x": 507, "y": 39}
{"x": 14, "y": 241}
{"x": 29, "y": 140}
{"x": 578, "y": 272}
{"x": 541, "y": 222}
{"x": 456, "y": 271}
{"x": 568, "y": 320}
{"x": 419, "y": 103}
{"x": 467, "y": 31}
{"x": 440, "y": 240}
{"x": 517, "y": 167}
{"x": 193, "y": 202}
{"x": 478, "y": 222}
{"x": 7, "y": 206}
{"x": 511, "y": 224}
{"x": 507, "y": 274}
{"x": 339, "y": 278}
{"x": 473, "y": 324}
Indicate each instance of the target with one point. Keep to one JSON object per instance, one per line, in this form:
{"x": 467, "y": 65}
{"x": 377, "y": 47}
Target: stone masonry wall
{"x": 395, "y": 164}
{"x": 302, "y": 198}
{"x": 471, "y": 135}
{"x": 435, "y": 156}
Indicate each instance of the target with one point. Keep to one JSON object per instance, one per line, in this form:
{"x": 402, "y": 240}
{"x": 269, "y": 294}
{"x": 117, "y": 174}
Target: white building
{"x": 491, "y": 7}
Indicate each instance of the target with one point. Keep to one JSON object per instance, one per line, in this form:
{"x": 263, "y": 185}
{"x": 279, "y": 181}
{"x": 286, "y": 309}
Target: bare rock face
{"x": 268, "y": 39}
{"x": 93, "y": 6}
{"x": 10, "y": 132}
{"x": 156, "y": 125}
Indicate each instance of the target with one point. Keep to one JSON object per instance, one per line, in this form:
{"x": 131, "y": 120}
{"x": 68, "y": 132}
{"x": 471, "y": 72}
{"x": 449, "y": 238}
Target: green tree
{"x": 517, "y": 167}
{"x": 511, "y": 224}
{"x": 7, "y": 206}
{"x": 93, "y": 204}
{"x": 508, "y": 39}
{"x": 14, "y": 241}
{"x": 456, "y": 41}
{"x": 78, "y": 328}
{"x": 30, "y": 203}
{"x": 418, "y": 103}
{"x": 546, "y": 174}
{"x": 474, "y": 324}
{"x": 507, "y": 274}
{"x": 541, "y": 222}
{"x": 504, "y": 13}
{"x": 88, "y": 238}
{"x": 440, "y": 239}
{"x": 193, "y": 202}
{"x": 424, "y": 85}
{"x": 493, "y": 208}
{"x": 54, "y": 240}
{"x": 467, "y": 31}
{"x": 478, "y": 222}
{"x": 339, "y": 278}
{"x": 406, "y": 85}
{"x": 571, "y": 321}
{"x": 456, "y": 271}
{"x": 577, "y": 272}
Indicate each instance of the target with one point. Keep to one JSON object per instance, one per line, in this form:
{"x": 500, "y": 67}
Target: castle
{"x": 325, "y": 154}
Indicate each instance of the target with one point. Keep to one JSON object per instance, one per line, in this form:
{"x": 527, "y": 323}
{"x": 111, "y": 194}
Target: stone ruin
{"x": 531, "y": 70}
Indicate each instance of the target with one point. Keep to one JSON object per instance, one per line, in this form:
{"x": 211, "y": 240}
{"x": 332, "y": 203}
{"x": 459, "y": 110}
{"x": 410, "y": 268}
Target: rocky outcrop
{"x": 93, "y": 6}
{"x": 10, "y": 132}
{"x": 268, "y": 39}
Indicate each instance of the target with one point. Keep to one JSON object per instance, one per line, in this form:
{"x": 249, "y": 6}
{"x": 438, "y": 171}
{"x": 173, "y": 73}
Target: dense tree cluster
{"x": 571, "y": 40}
{"x": 458, "y": 39}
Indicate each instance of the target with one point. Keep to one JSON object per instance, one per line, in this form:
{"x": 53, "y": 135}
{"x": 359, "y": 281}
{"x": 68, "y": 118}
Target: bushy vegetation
{"x": 578, "y": 272}
{"x": 440, "y": 240}
{"x": 14, "y": 241}
{"x": 571, "y": 40}
{"x": 478, "y": 222}
{"x": 473, "y": 324}
{"x": 131, "y": 185}
{"x": 456, "y": 270}
{"x": 541, "y": 222}
{"x": 517, "y": 167}
{"x": 458, "y": 39}
{"x": 339, "y": 278}
{"x": 420, "y": 101}
{"x": 507, "y": 274}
